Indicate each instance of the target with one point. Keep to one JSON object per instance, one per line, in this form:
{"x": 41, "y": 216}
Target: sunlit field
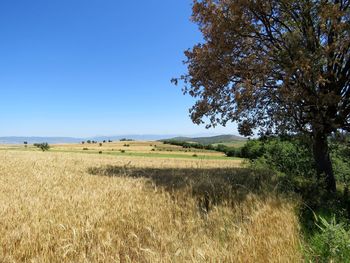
{"x": 129, "y": 148}
{"x": 67, "y": 205}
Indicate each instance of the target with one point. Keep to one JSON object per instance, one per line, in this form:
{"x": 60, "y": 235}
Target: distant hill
{"x": 210, "y": 140}
{"x": 31, "y": 140}
{"x": 146, "y": 137}
{"x": 58, "y": 140}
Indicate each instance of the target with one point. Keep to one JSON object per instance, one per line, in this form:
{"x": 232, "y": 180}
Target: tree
{"x": 43, "y": 146}
{"x": 279, "y": 67}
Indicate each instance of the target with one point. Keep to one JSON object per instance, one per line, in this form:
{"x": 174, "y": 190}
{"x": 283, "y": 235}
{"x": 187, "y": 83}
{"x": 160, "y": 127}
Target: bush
{"x": 219, "y": 148}
{"x": 291, "y": 157}
{"x": 126, "y": 140}
{"x": 340, "y": 154}
{"x": 122, "y": 151}
{"x": 331, "y": 243}
{"x": 85, "y": 149}
{"x": 43, "y": 146}
{"x": 253, "y": 149}
{"x": 233, "y": 152}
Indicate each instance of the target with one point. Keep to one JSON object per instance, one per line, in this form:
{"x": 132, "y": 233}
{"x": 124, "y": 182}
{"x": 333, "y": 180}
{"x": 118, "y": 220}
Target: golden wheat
{"x": 53, "y": 210}
{"x": 137, "y": 147}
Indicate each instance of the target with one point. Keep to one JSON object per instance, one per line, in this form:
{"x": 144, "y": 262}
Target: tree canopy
{"x": 278, "y": 66}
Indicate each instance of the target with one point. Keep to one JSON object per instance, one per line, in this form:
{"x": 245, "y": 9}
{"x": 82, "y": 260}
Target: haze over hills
{"x": 148, "y": 137}
{"x": 57, "y": 140}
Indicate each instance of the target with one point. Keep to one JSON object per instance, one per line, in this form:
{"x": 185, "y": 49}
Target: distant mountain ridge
{"x": 58, "y": 140}
{"x": 31, "y": 140}
{"x": 149, "y": 137}
{"x": 211, "y": 139}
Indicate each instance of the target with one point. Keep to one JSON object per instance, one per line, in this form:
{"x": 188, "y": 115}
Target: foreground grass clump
{"x": 64, "y": 207}
{"x": 331, "y": 243}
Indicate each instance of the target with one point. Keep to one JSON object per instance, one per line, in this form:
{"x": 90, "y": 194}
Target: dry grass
{"x": 54, "y": 209}
{"x": 145, "y": 147}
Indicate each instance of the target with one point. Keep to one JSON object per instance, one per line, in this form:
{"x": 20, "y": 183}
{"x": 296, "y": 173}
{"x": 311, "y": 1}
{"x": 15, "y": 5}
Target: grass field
{"x": 236, "y": 144}
{"x": 69, "y": 206}
{"x": 131, "y": 149}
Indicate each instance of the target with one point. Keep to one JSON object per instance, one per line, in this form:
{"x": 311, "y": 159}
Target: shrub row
{"x": 229, "y": 151}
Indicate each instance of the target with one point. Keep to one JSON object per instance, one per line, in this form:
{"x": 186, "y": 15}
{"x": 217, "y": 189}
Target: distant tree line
{"x": 126, "y": 140}
{"x": 229, "y": 151}
{"x": 277, "y": 148}
{"x": 94, "y": 142}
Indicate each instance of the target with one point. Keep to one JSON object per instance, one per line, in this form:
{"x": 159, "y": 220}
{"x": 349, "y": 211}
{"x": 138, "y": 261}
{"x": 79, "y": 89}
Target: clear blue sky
{"x": 95, "y": 67}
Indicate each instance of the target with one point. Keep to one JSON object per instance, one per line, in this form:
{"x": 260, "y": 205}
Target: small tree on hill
{"x": 282, "y": 66}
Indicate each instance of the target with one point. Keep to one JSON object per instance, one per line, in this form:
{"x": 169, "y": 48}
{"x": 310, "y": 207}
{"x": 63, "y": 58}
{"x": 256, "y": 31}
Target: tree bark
{"x": 323, "y": 161}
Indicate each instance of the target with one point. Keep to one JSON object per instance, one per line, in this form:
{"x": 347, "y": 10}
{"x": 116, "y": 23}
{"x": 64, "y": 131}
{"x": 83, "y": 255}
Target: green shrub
{"x": 233, "y": 152}
{"x": 126, "y": 140}
{"x": 289, "y": 157}
{"x": 340, "y": 153}
{"x": 229, "y": 151}
{"x": 221, "y": 148}
{"x": 253, "y": 149}
{"x": 43, "y": 146}
{"x": 330, "y": 244}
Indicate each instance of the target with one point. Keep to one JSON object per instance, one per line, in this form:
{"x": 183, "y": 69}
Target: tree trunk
{"x": 323, "y": 161}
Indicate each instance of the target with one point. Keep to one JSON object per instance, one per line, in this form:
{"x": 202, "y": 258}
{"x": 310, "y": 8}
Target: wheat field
{"x": 74, "y": 207}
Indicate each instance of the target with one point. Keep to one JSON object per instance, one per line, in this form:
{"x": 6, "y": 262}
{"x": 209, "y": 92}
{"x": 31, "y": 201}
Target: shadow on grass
{"x": 210, "y": 186}
{"x": 231, "y": 186}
